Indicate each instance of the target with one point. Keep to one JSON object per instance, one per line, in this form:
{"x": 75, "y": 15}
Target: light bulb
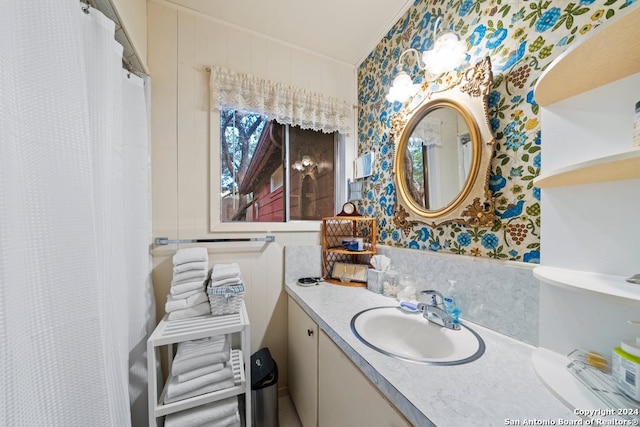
{"x": 448, "y": 53}
{"x": 402, "y": 88}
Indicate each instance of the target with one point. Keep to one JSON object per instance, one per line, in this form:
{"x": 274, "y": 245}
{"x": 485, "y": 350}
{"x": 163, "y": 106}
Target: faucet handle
{"x": 434, "y": 297}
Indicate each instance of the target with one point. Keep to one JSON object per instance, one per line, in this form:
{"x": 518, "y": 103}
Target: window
{"x": 275, "y": 173}
{"x": 277, "y": 179}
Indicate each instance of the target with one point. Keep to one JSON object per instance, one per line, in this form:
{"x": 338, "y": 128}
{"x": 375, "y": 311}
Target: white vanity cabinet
{"x": 590, "y": 175}
{"x": 303, "y": 364}
{"x": 169, "y": 333}
{"x": 346, "y": 397}
{"x": 327, "y": 389}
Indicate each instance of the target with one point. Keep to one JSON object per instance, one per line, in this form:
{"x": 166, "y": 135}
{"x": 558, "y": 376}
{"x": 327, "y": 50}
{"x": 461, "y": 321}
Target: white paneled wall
{"x": 181, "y": 45}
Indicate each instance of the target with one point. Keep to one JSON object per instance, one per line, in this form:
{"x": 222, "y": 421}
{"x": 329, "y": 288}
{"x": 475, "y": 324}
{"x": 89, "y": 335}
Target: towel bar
{"x": 165, "y": 240}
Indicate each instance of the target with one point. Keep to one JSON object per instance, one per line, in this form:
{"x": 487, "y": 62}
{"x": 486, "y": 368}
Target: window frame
{"x": 344, "y": 155}
{"x": 279, "y": 174}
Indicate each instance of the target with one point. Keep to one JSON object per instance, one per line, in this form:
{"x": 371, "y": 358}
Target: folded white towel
{"x": 225, "y": 271}
{"x": 197, "y": 343}
{"x": 181, "y": 288}
{"x": 186, "y": 313}
{"x": 201, "y": 341}
{"x": 173, "y": 304}
{"x": 203, "y": 414}
{"x": 188, "y": 266}
{"x": 226, "y": 282}
{"x": 175, "y": 388}
{"x": 204, "y": 350}
{"x": 186, "y": 294}
{"x": 208, "y": 345}
{"x": 183, "y": 256}
{"x": 189, "y": 276}
{"x": 229, "y": 421}
{"x": 199, "y": 372}
{"x": 182, "y": 365}
{"x": 206, "y": 389}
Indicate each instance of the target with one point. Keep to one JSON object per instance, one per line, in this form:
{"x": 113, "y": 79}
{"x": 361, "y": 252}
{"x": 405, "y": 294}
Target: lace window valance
{"x": 428, "y": 132}
{"x": 284, "y": 103}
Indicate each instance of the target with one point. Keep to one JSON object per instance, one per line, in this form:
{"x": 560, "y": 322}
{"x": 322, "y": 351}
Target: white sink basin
{"x": 411, "y": 337}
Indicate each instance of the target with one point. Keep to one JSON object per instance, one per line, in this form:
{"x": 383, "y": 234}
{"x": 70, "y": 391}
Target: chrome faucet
{"x": 433, "y": 312}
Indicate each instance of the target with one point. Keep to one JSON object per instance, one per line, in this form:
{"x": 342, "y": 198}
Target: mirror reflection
{"x": 437, "y": 158}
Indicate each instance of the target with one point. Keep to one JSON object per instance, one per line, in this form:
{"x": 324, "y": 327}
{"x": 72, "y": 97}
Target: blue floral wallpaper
{"x": 522, "y": 38}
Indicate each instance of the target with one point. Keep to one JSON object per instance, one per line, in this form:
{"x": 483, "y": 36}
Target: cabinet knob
{"x": 309, "y": 332}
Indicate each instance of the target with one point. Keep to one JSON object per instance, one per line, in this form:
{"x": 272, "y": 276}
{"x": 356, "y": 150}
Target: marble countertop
{"x": 500, "y": 388}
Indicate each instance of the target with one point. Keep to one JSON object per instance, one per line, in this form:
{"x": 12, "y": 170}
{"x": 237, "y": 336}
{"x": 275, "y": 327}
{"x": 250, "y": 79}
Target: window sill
{"x": 267, "y": 227}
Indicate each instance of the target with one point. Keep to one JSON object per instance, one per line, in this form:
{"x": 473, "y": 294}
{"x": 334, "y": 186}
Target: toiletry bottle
{"x": 452, "y": 301}
{"x": 626, "y": 366}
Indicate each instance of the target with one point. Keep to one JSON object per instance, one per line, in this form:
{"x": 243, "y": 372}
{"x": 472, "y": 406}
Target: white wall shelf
{"x": 589, "y": 176}
{"x": 609, "y": 54}
{"x": 580, "y": 280}
{"x": 551, "y": 369}
{"x": 601, "y": 401}
{"x": 589, "y": 239}
{"x": 609, "y": 168}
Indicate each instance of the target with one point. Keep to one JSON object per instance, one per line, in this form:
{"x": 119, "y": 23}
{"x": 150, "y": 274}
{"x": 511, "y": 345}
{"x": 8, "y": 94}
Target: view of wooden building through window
{"x": 259, "y": 184}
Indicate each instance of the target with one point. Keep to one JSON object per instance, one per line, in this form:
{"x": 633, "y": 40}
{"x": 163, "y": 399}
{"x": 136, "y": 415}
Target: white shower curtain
{"x": 76, "y": 303}
{"x": 137, "y": 240}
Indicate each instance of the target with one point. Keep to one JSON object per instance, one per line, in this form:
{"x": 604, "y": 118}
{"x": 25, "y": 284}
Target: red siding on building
{"x": 270, "y": 205}
{"x": 312, "y": 183}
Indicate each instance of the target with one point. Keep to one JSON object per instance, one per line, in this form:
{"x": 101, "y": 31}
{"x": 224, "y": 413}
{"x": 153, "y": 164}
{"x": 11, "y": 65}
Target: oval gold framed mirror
{"x": 443, "y": 151}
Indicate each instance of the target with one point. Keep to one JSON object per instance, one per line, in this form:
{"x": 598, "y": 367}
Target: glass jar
{"x": 406, "y": 288}
{"x": 390, "y": 283}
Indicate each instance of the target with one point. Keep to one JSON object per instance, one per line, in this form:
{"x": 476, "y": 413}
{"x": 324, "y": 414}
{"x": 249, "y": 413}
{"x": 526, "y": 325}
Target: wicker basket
{"x": 225, "y": 299}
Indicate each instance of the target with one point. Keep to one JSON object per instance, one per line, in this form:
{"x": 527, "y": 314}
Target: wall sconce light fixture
{"x": 305, "y": 164}
{"x": 403, "y": 87}
{"x": 448, "y": 53}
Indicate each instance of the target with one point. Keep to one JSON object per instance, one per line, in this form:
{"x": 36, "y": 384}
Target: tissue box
{"x": 375, "y": 280}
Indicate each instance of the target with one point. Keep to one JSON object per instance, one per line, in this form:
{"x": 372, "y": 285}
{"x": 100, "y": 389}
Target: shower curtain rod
{"x": 130, "y": 59}
{"x": 160, "y": 241}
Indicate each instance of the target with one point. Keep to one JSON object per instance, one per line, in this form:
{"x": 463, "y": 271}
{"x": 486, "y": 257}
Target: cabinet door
{"x": 346, "y": 396}
{"x": 303, "y": 364}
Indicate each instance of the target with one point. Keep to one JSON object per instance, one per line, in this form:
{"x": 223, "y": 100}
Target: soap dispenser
{"x": 452, "y": 301}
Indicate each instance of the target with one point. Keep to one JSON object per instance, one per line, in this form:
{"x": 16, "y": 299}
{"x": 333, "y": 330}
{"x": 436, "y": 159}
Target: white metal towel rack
{"x": 160, "y": 241}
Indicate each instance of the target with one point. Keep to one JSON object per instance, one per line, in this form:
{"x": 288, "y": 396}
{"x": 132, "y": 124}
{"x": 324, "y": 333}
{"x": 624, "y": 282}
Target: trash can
{"x": 264, "y": 389}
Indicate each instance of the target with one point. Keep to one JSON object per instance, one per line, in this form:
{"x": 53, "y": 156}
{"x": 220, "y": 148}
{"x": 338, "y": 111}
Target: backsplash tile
{"x": 502, "y": 296}
{"x": 302, "y": 261}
